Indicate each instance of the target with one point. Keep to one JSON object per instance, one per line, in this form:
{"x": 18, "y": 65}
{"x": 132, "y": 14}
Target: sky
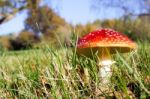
{"x": 73, "y": 11}
{"x": 15, "y": 25}
{"x": 77, "y": 11}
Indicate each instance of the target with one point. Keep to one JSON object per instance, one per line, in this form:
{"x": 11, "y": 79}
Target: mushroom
{"x": 104, "y": 43}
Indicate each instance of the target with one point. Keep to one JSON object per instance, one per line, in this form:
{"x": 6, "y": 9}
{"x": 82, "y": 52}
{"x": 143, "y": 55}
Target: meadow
{"x": 48, "y": 72}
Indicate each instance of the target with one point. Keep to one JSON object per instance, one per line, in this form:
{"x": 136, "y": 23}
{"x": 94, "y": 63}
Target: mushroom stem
{"x": 105, "y": 63}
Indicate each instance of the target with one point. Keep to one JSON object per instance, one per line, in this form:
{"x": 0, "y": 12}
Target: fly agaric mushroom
{"x": 104, "y": 42}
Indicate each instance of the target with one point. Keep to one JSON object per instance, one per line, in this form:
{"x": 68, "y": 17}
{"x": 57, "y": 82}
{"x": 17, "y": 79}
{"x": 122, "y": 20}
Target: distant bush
{"x": 24, "y": 40}
{"x": 136, "y": 29}
{"x": 1, "y": 47}
{"x": 5, "y": 43}
{"x": 84, "y": 29}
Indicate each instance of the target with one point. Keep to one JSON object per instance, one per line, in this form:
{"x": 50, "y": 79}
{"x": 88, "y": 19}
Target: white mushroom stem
{"x": 105, "y": 63}
{"x": 105, "y": 71}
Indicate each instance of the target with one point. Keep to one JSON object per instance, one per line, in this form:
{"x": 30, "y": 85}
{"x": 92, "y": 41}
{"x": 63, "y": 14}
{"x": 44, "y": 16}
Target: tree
{"x": 129, "y": 7}
{"x": 41, "y": 19}
{"x": 8, "y": 9}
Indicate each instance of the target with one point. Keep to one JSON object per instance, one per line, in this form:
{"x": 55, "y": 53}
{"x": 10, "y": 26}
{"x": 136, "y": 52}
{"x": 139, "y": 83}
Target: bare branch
{"x": 130, "y": 7}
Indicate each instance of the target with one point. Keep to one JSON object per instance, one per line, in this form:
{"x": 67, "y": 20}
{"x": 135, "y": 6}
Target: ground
{"x": 61, "y": 73}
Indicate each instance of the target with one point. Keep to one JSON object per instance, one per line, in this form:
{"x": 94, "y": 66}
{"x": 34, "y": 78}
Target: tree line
{"x": 43, "y": 25}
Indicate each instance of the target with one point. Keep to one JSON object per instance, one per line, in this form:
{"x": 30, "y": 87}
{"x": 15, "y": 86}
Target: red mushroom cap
{"x": 105, "y": 38}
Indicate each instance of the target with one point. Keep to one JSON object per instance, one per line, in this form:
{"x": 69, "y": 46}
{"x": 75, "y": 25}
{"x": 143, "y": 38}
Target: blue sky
{"x": 77, "y": 11}
{"x": 15, "y": 25}
{"x": 73, "y": 11}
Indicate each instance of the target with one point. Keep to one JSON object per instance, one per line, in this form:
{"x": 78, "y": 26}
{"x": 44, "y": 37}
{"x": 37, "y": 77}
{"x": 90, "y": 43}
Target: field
{"x": 59, "y": 73}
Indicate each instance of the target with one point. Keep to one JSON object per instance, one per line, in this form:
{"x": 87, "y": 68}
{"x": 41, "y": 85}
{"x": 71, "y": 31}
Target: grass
{"x": 59, "y": 73}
